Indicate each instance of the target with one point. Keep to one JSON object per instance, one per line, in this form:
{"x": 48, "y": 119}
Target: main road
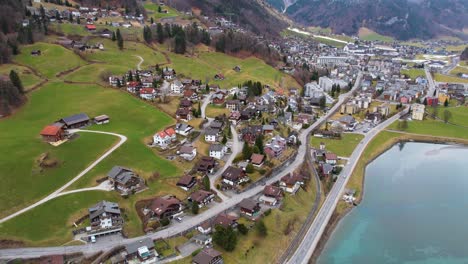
{"x": 177, "y": 228}
{"x": 312, "y": 237}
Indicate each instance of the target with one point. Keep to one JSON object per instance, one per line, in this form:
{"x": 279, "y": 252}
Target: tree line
{"x": 11, "y": 93}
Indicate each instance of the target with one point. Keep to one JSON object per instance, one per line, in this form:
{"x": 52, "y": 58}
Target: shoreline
{"x": 401, "y": 138}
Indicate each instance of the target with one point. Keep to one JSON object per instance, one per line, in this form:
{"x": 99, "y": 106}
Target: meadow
{"x": 342, "y": 147}
{"x": 27, "y": 76}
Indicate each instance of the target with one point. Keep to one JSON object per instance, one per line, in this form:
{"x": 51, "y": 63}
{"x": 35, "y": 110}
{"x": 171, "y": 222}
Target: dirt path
{"x": 58, "y": 192}
{"x": 141, "y": 61}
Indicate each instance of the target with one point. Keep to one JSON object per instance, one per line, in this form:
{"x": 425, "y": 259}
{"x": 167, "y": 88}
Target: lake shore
{"x": 343, "y": 208}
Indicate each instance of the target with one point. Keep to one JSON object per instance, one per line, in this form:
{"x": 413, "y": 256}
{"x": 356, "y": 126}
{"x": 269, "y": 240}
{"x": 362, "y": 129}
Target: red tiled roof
{"x": 50, "y": 131}
{"x": 257, "y": 158}
{"x": 170, "y": 131}
{"x": 90, "y": 27}
{"x": 146, "y": 91}
{"x": 330, "y": 156}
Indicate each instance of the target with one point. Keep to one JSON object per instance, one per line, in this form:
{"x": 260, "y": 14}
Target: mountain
{"x": 401, "y": 19}
{"x": 250, "y": 14}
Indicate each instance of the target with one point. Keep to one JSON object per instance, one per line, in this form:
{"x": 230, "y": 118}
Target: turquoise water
{"x": 415, "y": 210}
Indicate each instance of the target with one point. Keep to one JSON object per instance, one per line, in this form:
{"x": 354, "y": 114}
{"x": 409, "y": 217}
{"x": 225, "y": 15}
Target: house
{"x": 291, "y": 182}
{"x": 101, "y": 119}
{"x": 293, "y": 138}
{"x": 90, "y": 27}
{"x": 218, "y": 98}
{"x": 234, "y": 176}
{"x": 234, "y": 117}
{"x": 165, "y": 137}
{"x": 217, "y": 151}
{"x": 183, "y": 129}
{"x": 206, "y": 165}
{"x": 250, "y": 133}
{"x": 204, "y": 228}
{"x": 186, "y": 182}
{"x": 211, "y": 135}
{"x": 432, "y": 101}
{"x": 257, "y": 159}
{"x": 202, "y": 239}
{"x": 348, "y": 122}
{"x": 202, "y": 197}
{"x": 417, "y": 111}
{"x": 217, "y": 124}
{"x": 187, "y": 152}
{"x": 225, "y": 220}
{"x": 268, "y": 129}
{"x": 36, "y": 52}
{"x": 219, "y": 77}
{"x": 166, "y": 207}
{"x": 208, "y": 256}
{"x": 75, "y": 121}
{"x": 249, "y": 207}
{"x": 271, "y": 195}
{"x": 52, "y": 133}
{"x": 349, "y": 108}
{"x": 184, "y": 114}
{"x": 177, "y": 87}
{"x": 105, "y": 215}
{"x": 275, "y": 147}
{"x": 330, "y": 158}
{"x": 326, "y": 170}
{"x": 185, "y": 103}
{"x": 169, "y": 74}
{"x": 237, "y": 68}
{"x": 124, "y": 179}
{"x": 141, "y": 251}
{"x": 233, "y": 105}
{"x": 147, "y": 93}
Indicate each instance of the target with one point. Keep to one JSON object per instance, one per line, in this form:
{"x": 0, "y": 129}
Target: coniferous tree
{"x": 114, "y": 38}
{"x": 16, "y": 81}
{"x": 120, "y": 42}
{"x": 160, "y": 33}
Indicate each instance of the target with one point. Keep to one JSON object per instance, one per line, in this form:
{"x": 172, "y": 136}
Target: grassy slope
{"x": 367, "y": 34}
{"x": 54, "y": 59}
{"x": 342, "y": 147}
{"x": 458, "y": 70}
{"x": 413, "y": 73}
{"x": 153, "y": 10}
{"x": 28, "y": 78}
{"x": 448, "y": 79}
{"x": 330, "y": 42}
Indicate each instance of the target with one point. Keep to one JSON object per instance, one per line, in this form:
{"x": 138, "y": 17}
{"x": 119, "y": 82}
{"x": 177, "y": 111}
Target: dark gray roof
{"x": 121, "y": 174}
{"x": 206, "y": 256}
{"x": 74, "y": 119}
{"x": 103, "y": 207}
{"x": 212, "y": 132}
{"x": 248, "y": 204}
{"x": 216, "y": 147}
{"x": 133, "y": 247}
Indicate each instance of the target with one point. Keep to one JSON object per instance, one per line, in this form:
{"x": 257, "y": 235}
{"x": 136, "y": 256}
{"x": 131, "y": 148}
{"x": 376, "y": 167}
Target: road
{"x": 68, "y": 184}
{"x": 430, "y": 81}
{"x": 177, "y": 228}
{"x": 141, "y": 61}
{"x": 312, "y": 237}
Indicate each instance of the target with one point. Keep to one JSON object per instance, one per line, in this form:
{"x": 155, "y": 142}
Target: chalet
{"x": 213, "y": 87}
{"x": 217, "y": 151}
{"x": 204, "y": 228}
{"x": 250, "y": 133}
{"x": 234, "y": 117}
{"x": 52, "y": 133}
{"x": 206, "y": 165}
{"x": 219, "y": 77}
{"x": 293, "y": 138}
{"x": 106, "y": 33}
{"x": 217, "y": 124}
{"x": 271, "y": 195}
{"x": 133, "y": 87}
{"x": 177, "y": 87}
{"x": 275, "y": 147}
{"x": 185, "y": 103}
{"x": 331, "y": 158}
{"x": 208, "y": 256}
{"x": 326, "y": 170}
{"x": 190, "y": 94}
{"x": 166, "y": 207}
{"x": 202, "y": 239}
{"x": 305, "y": 119}
{"x": 147, "y": 93}
{"x": 348, "y": 121}
{"x": 124, "y": 179}
{"x": 165, "y": 137}
{"x": 234, "y": 176}
{"x": 268, "y": 129}
{"x": 249, "y": 207}
{"x": 291, "y": 182}
{"x": 233, "y": 105}
{"x": 115, "y": 81}
{"x": 186, "y": 182}
{"x": 183, "y": 129}
{"x": 225, "y": 220}
{"x": 75, "y": 121}
{"x": 105, "y": 215}
{"x": 184, "y": 114}
{"x": 101, "y": 119}
{"x": 211, "y": 135}
{"x": 218, "y": 98}
{"x": 257, "y": 159}
{"x": 187, "y": 152}
{"x": 169, "y": 73}
{"x": 248, "y": 113}
{"x": 202, "y": 197}
{"x": 141, "y": 251}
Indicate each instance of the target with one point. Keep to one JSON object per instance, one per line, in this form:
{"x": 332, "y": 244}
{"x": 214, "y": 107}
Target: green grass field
{"x": 448, "y": 79}
{"x": 342, "y": 147}
{"x": 153, "y": 10}
{"x": 459, "y": 114}
{"x": 93, "y": 73}
{"x": 433, "y": 128}
{"x": 369, "y": 35}
{"x": 459, "y": 69}
{"x": 54, "y": 59}
{"x": 28, "y": 78}
{"x": 207, "y": 64}
{"x": 70, "y": 29}
{"x": 413, "y": 73}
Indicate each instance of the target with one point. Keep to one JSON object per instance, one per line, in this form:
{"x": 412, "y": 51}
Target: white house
{"x": 183, "y": 129}
{"x": 417, "y": 111}
{"x": 211, "y": 135}
{"x": 187, "y": 152}
{"x": 165, "y": 137}
{"x": 147, "y": 93}
{"x": 217, "y": 151}
{"x": 326, "y": 83}
{"x": 177, "y": 87}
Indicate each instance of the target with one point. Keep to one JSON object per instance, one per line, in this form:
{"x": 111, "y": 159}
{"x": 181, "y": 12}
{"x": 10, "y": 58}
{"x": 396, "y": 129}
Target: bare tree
{"x": 447, "y": 115}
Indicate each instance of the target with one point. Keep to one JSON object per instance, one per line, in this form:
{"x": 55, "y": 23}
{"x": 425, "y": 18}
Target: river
{"x": 414, "y": 209}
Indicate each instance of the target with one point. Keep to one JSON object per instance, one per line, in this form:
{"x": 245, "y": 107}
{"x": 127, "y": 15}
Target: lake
{"x": 414, "y": 209}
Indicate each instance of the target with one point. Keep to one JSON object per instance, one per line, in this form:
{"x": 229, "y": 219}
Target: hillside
{"x": 401, "y": 19}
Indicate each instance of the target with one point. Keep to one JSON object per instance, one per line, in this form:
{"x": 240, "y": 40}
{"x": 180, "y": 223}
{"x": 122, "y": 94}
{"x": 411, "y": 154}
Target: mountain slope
{"x": 402, "y": 19}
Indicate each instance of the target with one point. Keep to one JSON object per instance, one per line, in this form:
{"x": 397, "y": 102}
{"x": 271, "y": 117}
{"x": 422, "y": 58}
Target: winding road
{"x": 193, "y": 222}
{"x": 141, "y": 61}
{"x": 59, "y": 191}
